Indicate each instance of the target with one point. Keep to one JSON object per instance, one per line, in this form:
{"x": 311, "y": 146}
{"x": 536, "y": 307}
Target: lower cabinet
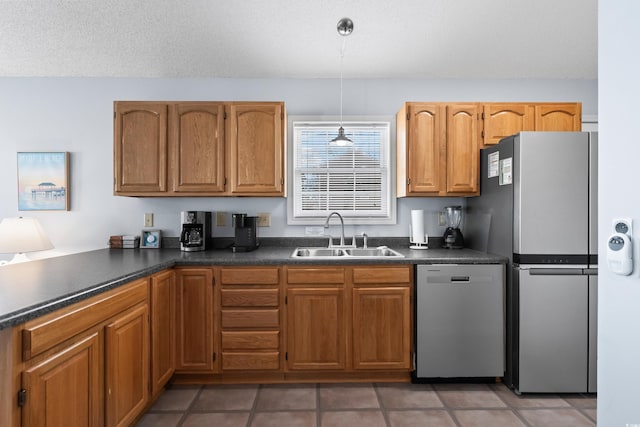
{"x": 127, "y": 366}
{"x": 349, "y": 318}
{"x": 65, "y": 388}
{"x": 162, "y": 299}
{"x": 87, "y": 364}
{"x": 195, "y": 333}
{"x": 316, "y": 328}
{"x": 250, "y": 319}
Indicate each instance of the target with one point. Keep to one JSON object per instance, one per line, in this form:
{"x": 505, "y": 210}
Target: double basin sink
{"x": 346, "y": 253}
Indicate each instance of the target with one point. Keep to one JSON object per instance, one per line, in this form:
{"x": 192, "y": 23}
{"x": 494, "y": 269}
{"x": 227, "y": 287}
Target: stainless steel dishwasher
{"x": 460, "y": 321}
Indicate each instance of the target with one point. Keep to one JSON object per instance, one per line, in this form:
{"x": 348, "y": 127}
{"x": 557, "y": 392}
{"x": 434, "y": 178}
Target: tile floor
{"x": 370, "y": 405}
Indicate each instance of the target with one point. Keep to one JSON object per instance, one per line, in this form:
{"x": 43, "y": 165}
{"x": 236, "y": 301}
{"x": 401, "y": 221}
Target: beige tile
{"x": 284, "y": 397}
{"x": 555, "y": 418}
{"x": 175, "y": 399}
{"x": 431, "y": 418}
{"x": 348, "y": 396}
{"x": 352, "y": 419}
{"x": 282, "y": 419}
{"x": 529, "y": 400}
{"x": 582, "y": 401}
{"x": 491, "y": 417}
{"x": 159, "y": 420}
{"x": 220, "y": 419}
{"x": 405, "y": 396}
{"x": 468, "y": 396}
{"x": 591, "y": 413}
{"x": 216, "y": 398}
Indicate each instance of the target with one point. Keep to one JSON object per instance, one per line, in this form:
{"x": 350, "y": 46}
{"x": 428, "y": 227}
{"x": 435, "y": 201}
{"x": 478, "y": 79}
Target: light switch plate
{"x": 264, "y": 219}
{"x": 221, "y": 219}
{"x": 148, "y": 220}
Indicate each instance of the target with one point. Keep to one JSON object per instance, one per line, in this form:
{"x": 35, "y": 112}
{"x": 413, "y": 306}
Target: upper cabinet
{"x": 199, "y": 148}
{"x": 438, "y": 144}
{"x": 437, "y": 149}
{"x": 140, "y": 147}
{"x": 256, "y": 149}
{"x": 558, "y": 117}
{"x": 501, "y": 120}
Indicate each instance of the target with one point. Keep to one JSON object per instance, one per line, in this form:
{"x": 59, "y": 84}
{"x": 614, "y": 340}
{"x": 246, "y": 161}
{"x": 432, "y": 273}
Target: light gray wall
{"x": 75, "y": 115}
{"x": 618, "y": 296}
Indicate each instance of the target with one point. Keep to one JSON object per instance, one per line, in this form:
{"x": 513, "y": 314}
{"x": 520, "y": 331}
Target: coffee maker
{"x": 193, "y": 235}
{"x": 453, "y": 236}
{"x": 246, "y": 232}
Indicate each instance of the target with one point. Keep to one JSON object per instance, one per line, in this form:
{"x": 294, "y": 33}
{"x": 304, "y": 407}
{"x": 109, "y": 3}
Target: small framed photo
{"x": 150, "y": 239}
{"x": 43, "y": 181}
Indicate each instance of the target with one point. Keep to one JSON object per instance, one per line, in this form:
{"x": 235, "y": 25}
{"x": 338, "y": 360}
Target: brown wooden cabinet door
{"x": 255, "y": 145}
{"x": 66, "y": 388}
{"x": 381, "y": 328}
{"x": 502, "y": 120}
{"x": 426, "y": 148}
{"x": 140, "y": 150}
{"x": 463, "y": 151}
{"x": 558, "y": 117}
{"x": 316, "y": 331}
{"x": 162, "y": 300}
{"x": 194, "y": 320}
{"x": 197, "y": 147}
{"x": 127, "y": 367}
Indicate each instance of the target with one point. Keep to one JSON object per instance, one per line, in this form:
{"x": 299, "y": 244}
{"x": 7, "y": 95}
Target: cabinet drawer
{"x": 47, "y": 331}
{"x": 250, "y": 340}
{"x": 250, "y": 318}
{"x": 249, "y": 297}
{"x": 326, "y": 275}
{"x": 256, "y": 361}
{"x": 250, "y": 276}
{"x": 383, "y": 275}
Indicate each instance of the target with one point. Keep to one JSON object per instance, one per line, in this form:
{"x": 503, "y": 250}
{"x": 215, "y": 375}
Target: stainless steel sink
{"x": 318, "y": 252}
{"x": 345, "y": 253}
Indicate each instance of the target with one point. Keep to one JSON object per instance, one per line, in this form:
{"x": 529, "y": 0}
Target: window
{"x": 352, "y": 179}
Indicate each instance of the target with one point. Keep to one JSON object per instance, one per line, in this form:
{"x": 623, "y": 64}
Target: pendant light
{"x": 345, "y": 27}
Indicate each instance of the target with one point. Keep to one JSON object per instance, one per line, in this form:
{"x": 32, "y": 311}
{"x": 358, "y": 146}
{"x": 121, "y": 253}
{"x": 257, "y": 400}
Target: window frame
{"x": 348, "y": 216}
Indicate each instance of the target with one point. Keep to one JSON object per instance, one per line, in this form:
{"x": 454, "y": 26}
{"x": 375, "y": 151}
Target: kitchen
{"x": 80, "y": 110}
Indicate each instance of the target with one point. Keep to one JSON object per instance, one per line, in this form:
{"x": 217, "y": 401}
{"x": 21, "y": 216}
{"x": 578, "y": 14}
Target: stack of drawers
{"x": 250, "y": 317}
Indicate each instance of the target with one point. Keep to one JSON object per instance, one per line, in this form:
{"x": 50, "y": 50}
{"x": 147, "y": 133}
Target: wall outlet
{"x": 148, "y": 220}
{"x": 264, "y": 219}
{"x": 441, "y": 220}
{"x": 221, "y": 219}
{"x": 314, "y": 231}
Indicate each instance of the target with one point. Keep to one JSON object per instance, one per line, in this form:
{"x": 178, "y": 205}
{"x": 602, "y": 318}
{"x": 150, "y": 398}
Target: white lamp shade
{"x": 19, "y": 235}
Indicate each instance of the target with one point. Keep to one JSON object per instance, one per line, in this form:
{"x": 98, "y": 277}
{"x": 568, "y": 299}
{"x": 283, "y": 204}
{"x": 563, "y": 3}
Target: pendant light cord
{"x": 344, "y": 42}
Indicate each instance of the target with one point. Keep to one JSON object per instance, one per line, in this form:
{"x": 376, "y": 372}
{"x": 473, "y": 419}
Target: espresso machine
{"x": 193, "y": 235}
{"x": 246, "y": 232}
{"x": 453, "y": 236}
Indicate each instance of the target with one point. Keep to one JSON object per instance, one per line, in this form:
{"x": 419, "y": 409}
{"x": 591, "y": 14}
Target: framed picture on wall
{"x": 43, "y": 181}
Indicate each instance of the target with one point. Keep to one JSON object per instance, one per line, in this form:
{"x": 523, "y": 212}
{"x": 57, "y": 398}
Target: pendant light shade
{"x": 345, "y": 27}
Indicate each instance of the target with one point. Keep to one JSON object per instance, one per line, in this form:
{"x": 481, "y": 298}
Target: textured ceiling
{"x": 298, "y": 39}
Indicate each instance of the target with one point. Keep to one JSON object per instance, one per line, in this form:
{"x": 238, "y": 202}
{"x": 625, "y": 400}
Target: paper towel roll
{"x": 417, "y": 226}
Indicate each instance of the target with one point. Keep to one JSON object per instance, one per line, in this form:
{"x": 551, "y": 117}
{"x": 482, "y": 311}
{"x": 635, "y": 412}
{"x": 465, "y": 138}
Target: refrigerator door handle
{"x": 557, "y": 271}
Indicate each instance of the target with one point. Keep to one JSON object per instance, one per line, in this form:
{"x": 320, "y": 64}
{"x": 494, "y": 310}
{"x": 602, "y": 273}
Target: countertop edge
{"x": 174, "y": 258}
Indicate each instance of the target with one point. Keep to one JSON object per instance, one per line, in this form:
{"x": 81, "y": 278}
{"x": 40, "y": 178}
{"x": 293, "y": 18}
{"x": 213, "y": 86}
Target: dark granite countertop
{"x": 38, "y": 287}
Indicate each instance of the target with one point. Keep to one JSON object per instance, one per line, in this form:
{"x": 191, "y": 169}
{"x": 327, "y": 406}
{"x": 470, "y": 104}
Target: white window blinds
{"x": 352, "y": 179}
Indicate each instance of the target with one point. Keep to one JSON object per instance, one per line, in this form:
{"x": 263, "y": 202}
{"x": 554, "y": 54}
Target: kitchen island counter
{"x": 32, "y": 289}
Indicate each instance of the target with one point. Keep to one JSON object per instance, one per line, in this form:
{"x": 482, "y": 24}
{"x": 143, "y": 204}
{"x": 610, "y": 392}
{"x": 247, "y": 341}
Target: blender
{"x": 453, "y": 236}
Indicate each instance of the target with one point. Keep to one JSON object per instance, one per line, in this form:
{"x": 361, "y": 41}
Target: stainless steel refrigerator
{"x": 538, "y": 207}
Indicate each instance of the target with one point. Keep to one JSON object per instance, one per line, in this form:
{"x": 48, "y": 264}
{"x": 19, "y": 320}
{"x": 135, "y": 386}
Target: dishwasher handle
{"x": 459, "y": 279}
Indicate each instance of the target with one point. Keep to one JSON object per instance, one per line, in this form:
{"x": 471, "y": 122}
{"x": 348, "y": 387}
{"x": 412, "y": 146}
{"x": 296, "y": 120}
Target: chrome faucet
{"x": 326, "y": 225}
{"x": 364, "y": 240}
